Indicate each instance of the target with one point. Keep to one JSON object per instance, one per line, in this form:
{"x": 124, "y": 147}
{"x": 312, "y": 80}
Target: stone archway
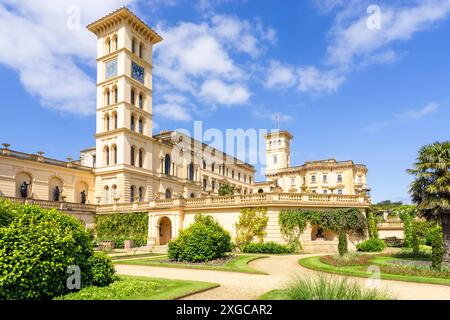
{"x": 164, "y": 231}
{"x": 318, "y": 233}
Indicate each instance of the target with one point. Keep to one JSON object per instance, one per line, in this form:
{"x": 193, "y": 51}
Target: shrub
{"x": 325, "y": 287}
{"x": 119, "y": 227}
{"x": 372, "y": 245}
{"x": 268, "y": 248}
{"x": 252, "y": 224}
{"x": 347, "y": 260}
{"x": 343, "y": 244}
{"x": 204, "y": 240}
{"x": 372, "y": 224}
{"x": 437, "y": 254}
{"x": 393, "y": 242}
{"x": 101, "y": 270}
{"x": 36, "y": 248}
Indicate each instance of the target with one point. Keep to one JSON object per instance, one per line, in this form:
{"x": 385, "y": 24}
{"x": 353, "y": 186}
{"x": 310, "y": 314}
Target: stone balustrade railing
{"x": 60, "y": 205}
{"x": 260, "y": 199}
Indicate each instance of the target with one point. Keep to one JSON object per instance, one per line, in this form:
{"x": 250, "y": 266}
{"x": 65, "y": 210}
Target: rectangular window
{"x": 325, "y": 178}
{"x": 313, "y": 179}
{"x": 275, "y": 159}
{"x": 111, "y": 69}
{"x": 292, "y": 182}
{"x": 340, "y": 192}
{"x": 339, "y": 178}
{"x": 325, "y": 191}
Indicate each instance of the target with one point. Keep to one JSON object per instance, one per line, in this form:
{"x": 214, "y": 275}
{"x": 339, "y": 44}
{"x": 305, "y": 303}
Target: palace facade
{"x": 170, "y": 175}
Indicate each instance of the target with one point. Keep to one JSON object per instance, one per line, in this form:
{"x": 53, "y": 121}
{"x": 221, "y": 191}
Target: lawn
{"x": 239, "y": 263}
{"x": 314, "y": 263}
{"x": 141, "y": 288}
{"x": 138, "y": 255}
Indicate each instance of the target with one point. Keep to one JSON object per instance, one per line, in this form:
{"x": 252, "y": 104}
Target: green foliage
{"x": 226, "y": 190}
{"x": 393, "y": 242}
{"x": 415, "y": 244}
{"x": 343, "y": 244}
{"x": 407, "y": 214}
{"x": 324, "y": 287}
{"x": 101, "y": 270}
{"x": 119, "y": 290}
{"x": 294, "y": 222}
{"x": 386, "y": 205}
{"x": 205, "y": 240}
{"x": 36, "y": 248}
{"x": 350, "y": 259}
{"x": 267, "y": 248}
{"x": 372, "y": 224}
{"x": 372, "y": 245}
{"x": 437, "y": 254}
{"x": 119, "y": 227}
{"x": 252, "y": 224}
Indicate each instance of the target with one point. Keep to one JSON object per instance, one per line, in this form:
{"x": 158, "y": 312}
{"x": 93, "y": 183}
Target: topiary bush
{"x": 343, "y": 244}
{"x": 267, "y": 248}
{"x": 437, "y": 255}
{"x": 371, "y": 245}
{"x": 101, "y": 270}
{"x": 204, "y": 240}
{"x": 36, "y": 248}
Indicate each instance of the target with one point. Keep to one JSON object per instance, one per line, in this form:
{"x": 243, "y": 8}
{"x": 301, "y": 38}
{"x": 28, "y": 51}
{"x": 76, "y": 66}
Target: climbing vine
{"x": 372, "y": 224}
{"x": 407, "y": 214}
{"x": 341, "y": 221}
{"x": 252, "y": 224}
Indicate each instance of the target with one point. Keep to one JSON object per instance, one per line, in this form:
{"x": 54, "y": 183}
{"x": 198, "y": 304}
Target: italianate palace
{"x": 169, "y": 175}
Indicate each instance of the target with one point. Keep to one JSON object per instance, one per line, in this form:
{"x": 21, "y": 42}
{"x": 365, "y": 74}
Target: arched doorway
{"x": 165, "y": 231}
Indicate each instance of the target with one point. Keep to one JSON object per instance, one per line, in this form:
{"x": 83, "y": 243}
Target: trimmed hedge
{"x": 372, "y": 245}
{"x": 119, "y": 227}
{"x": 204, "y": 240}
{"x": 267, "y": 248}
{"x": 36, "y": 248}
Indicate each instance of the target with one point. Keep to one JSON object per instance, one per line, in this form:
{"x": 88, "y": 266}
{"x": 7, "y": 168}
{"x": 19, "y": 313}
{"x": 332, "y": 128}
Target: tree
{"x": 252, "y": 224}
{"x": 226, "y": 190}
{"x": 430, "y": 189}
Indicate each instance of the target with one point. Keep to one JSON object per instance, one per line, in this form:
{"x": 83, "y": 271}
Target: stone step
{"x": 160, "y": 249}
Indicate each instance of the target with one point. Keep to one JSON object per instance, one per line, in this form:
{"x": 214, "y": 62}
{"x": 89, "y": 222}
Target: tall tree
{"x": 431, "y": 187}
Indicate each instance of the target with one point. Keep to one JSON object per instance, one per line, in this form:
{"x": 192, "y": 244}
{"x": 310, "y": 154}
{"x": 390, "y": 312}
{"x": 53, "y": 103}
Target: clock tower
{"x": 124, "y": 143}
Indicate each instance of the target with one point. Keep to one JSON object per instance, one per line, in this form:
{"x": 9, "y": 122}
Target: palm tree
{"x": 431, "y": 187}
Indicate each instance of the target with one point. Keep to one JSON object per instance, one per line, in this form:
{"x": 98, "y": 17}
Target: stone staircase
{"x": 160, "y": 249}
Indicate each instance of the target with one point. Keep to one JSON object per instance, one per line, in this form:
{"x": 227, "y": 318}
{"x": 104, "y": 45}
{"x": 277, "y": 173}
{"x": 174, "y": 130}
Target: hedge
{"x": 268, "y": 248}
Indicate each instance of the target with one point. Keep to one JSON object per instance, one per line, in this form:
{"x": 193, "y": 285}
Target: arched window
{"x": 205, "y": 184}
{"x": 141, "y": 51}
{"x": 167, "y": 164}
{"x": 133, "y": 97}
{"x": 114, "y": 118}
{"x": 141, "y": 158}
{"x": 191, "y": 171}
{"x": 213, "y": 167}
{"x": 192, "y": 195}
{"x": 106, "y": 155}
{"x": 132, "y": 123}
{"x": 108, "y": 97}
{"x": 114, "y": 154}
{"x": 106, "y": 195}
{"x": 115, "y": 42}
{"x": 141, "y": 126}
{"x": 132, "y": 193}
{"x": 168, "y": 194}
{"x": 261, "y": 191}
{"x": 141, "y": 194}
{"x": 141, "y": 101}
{"x": 133, "y": 156}
{"x": 116, "y": 95}
{"x": 133, "y": 45}
{"x": 114, "y": 192}
{"x": 108, "y": 45}
{"x": 107, "y": 122}
{"x": 204, "y": 165}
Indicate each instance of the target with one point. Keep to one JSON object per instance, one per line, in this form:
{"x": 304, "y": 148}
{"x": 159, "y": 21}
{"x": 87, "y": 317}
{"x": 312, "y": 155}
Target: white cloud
{"x": 48, "y": 55}
{"x": 280, "y": 75}
{"x": 314, "y": 80}
{"x": 409, "y": 115}
{"x": 217, "y": 91}
{"x": 172, "y": 111}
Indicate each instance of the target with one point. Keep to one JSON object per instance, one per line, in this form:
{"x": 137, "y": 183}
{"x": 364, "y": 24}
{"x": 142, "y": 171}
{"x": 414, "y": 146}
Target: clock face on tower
{"x": 137, "y": 72}
{"x": 111, "y": 69}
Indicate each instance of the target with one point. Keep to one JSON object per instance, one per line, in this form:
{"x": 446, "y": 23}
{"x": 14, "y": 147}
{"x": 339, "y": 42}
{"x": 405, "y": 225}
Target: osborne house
{"x": 170, "y": 175}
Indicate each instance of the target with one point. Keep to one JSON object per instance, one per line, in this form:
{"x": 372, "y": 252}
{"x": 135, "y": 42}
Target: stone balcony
{"x": 59, "y": 205}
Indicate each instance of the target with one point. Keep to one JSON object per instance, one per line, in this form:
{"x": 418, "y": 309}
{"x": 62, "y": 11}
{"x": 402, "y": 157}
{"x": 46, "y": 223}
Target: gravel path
{"x": 241, "y": 286}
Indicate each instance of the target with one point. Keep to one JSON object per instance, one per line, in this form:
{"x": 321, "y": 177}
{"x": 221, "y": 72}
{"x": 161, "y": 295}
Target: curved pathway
{"x": 242, "y": 286}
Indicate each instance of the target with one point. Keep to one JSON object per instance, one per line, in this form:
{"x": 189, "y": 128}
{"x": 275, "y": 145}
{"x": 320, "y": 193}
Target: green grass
{"x": 325, "y": 288}
{"x": 238, "y": 263}
{"x": 314, "y": 263}
{"x": 141, "y": 288}
{"x": 139, "y": 255}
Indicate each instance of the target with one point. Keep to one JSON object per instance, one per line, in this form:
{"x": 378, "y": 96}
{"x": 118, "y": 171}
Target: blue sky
{"x": 346, "y": 91}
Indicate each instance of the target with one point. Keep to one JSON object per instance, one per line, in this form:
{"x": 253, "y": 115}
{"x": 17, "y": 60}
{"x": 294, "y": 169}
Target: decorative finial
{"x": 6, "y": 145}
{"x": 69, "y": 159}
{"x": 41, "y": 153}
{"x": 276, "y": 117}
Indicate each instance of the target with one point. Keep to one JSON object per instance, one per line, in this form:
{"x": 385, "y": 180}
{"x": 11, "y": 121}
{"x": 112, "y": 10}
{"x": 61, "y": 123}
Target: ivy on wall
{"x": 341, "y": 221}
{"x": 407, "y": 214}
{"x": 119, "y": 227}
{"x": 252, "y": 224}
{"x": 372, "y": 224}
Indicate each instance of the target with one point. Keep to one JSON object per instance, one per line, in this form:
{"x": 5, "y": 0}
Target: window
{"x": 340, "y": 192}
{"x": 114, "y": 154}
{"x": 116, "y": 95}
{"x": 304, "y": 180}
{"x": 111, "y": 69}
{"x": 250, "y": 180}
{"x": 191, "y": 172}
{"x": 292, "y": 182}
{"x": 245, "y": 178}
{"x": 141, "y": 194}
{"x": 141, "y": 51}
{"x": 133, "y": 156}
{"x": 275, "y": 159}
{"x": 132, "y": 194}
{"x": 133, "y": 97}
{"x": 213, "y": 185}
{"x": 168, "y": 194}
{"x": 339, "y": 178}
{"x": 133, "y": 45}
{"x": 132, "y": 124}
{"x": 313, "y": 179}
{"x": 167, "y": 164}
{"x": 141, "y": 101}
{"x": 141, "y": 158}
{"x": 232, "y": 174}
{"x": 360, "y": 180}
{"x": 239, "y": 176}
{"x": 114, "y": 192}
{"x": 213, "y": 167}
{"x": 205, "y": 184}
{"x": 108, "y": 98}
{"x": 107, "y": 123}
{"x": 115, "y": 120}
{"x": 204, "y": 165}
{"x": 106, "y": 195}
{"x": 106, "y": 154}
{"x": 141, "y": 126}
{"x": 325, "y": 178}
{"x": 325, "y": 191}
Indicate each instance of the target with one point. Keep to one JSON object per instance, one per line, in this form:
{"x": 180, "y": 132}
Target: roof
{"x": 278, "y": 134}
{"x": 123, "y": 13}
